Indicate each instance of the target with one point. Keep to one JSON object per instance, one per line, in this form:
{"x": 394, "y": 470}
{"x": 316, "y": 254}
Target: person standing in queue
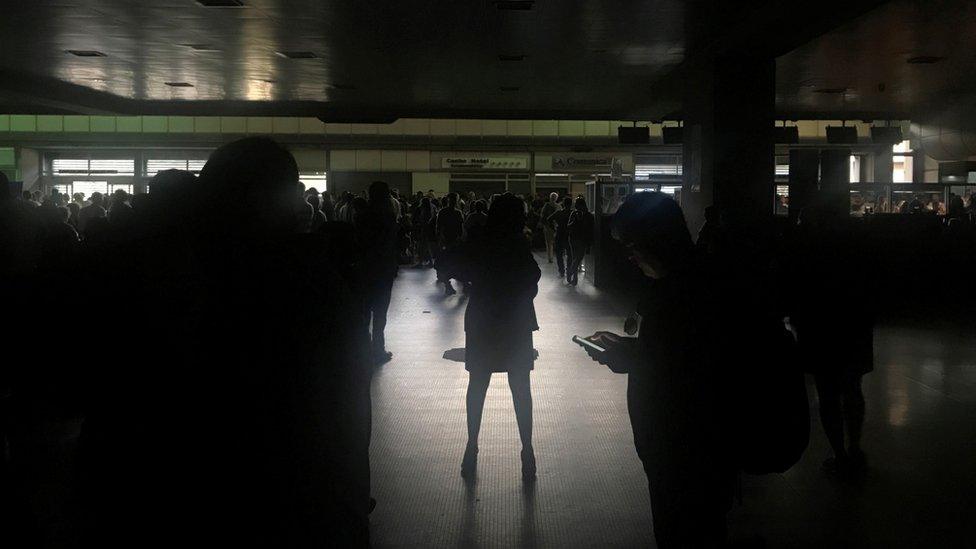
{"x": 450, "y": 227}
{"x": 559, "y": 221}
{"x": 672, "y": 390}
{"x": 499, "y": 322}
{"x": 377, "y": 227}
{"x": 579, "y": 229}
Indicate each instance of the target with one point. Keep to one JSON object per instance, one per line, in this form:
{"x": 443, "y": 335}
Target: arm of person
{"x": 621, "y": 352}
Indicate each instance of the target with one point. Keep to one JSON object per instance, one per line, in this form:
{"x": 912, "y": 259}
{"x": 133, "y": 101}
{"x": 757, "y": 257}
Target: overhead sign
{"x": 486, "y": 162}
{"x": 569, "y": 163}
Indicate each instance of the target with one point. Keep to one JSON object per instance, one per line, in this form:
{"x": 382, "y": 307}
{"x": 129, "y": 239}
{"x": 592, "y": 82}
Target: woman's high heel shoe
{"x": 528, "y": 464}
{"x": 469, "y": 463}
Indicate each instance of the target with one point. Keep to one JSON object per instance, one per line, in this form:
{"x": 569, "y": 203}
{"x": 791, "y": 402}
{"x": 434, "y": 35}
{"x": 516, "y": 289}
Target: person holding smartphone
{"x": 673, "y": 391}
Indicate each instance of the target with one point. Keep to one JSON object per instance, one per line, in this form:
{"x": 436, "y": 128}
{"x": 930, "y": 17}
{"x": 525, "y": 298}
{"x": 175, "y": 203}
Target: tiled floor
{"x": 591, "y": 491}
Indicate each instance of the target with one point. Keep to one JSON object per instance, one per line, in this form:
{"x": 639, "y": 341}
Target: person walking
{"x": 580, "y": 232}
{"x": 548, "y": 231}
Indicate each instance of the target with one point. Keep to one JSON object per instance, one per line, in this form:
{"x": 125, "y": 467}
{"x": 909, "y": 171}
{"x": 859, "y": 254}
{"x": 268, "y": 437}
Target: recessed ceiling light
{"x": 179, "y": 84}
{"x": 201, "y": 47}
{"x": 509, "y": 88}
{"x": 516, "y": 5}
{"x": 86, "y": 53}
{"x": 296, "y": 54}
{"x": 509, "y": 57}
{"x": 924, "y": 59}
{"x": 221, "y": 3}
{"x": 830, "y": 90}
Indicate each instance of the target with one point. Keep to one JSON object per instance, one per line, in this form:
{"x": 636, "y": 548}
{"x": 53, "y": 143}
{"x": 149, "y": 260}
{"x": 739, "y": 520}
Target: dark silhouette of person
{"x": 120, "y": 215}
{"x": 96, "y": 209}
{"x": 248, "y": 422}
{"x": 450, "y": 228}
{"x": 549, "y": 232}
{"x": 378, "y": 228}
{"x": 835, "y": 338}
{"x": 475, "y": 222}
{"x": 579, "y": 229}
{"x": 560, "y": 222}
{"x": 710, "y": 234}
{"x": 318, "y": 216}
{"x": 499, "y": 321}
{"x": 673, "y": 389}
{"x": 425, "y": 232}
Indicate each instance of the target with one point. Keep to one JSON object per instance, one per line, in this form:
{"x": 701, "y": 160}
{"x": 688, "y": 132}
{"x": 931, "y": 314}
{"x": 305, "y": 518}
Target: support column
{"x": 804, "y": 171}
{"x": 728, "y": 141}
{"x": 835, "y": 180}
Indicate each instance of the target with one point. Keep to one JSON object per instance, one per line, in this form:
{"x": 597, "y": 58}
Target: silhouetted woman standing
{"x": 499, "y": 321}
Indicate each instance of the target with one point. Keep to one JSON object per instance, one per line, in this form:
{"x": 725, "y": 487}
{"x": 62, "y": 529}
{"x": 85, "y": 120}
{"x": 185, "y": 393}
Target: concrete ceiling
{"x": 909, "y": 58}
{"x": 600, "y": 59}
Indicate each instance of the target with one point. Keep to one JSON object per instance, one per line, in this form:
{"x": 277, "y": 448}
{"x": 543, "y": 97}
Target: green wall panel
{"x": 7, "y": 157}
{"x": 258, "y": 124}
{"x": 206, "y": 124}
{"x": 23, "y": 123}
{"x": 284, "y": 124}
{"x": 233, "y": 124}
{"x": 50, "y": 123}
{"x": 128, "y": 123}
{"x": 154, "y": 124}
{"x": 103, "y": 123}
{"x": 4, "y": 122}
{"x": 180, "y": 124}
{"x": 76, "y": 123}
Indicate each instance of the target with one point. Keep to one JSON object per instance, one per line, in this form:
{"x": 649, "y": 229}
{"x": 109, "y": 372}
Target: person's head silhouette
{"x": 652, "y": 228}
{"x": 263, "y": 176}
{"x": 506, "y": 216}
{"x": 580, "y": 204}
{"x": 379, "y": 191}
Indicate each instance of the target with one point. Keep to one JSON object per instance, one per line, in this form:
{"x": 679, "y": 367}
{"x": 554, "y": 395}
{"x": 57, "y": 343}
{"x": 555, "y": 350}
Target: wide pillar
{"x": 728, "y": 151}
{"x": 804, "y": 180}
{"x": 835, "y": 180}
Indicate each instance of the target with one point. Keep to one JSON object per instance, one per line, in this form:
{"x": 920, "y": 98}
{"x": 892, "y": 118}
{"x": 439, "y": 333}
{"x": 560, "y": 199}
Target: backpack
{"x": 773, "y": 413}
{"x": 767, "y": 397}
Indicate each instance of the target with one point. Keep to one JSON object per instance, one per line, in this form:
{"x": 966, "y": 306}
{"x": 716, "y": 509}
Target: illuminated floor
{"x": 591, "y": 491}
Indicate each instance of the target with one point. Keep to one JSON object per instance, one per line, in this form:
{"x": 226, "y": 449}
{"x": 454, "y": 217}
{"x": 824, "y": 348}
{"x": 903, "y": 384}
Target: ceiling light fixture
{"x": 201, "y": 47}
{"x": 514, "y": 5}
{"x": 179, "y": 84}
{"x": 86, "y": 53}
{"x": 924, "y": 59}
{"x": 221, "y": 3}
{"x": 295, "y": 54}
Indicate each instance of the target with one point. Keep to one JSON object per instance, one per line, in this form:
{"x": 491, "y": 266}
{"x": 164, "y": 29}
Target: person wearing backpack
{"x": 674, "y": 390}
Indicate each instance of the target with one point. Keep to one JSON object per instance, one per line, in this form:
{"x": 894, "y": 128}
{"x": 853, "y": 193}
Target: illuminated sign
{"x": 486, "y": 162}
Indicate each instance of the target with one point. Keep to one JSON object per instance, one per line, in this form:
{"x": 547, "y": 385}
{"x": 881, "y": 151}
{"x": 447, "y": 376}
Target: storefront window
{"x": 902, "y": 162}
{"x": 781, "y": 205}
{"x": 855, "y": 168}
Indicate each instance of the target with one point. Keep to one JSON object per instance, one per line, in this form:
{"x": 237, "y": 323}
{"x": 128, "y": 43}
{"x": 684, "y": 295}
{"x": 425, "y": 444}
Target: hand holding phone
{"x": 589, "y": 345}
{"x": 608, "y": 349}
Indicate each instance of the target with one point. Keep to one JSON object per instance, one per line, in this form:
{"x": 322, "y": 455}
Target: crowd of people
{"x": 238, "y": 413}
{"x": 258, "y": 310}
